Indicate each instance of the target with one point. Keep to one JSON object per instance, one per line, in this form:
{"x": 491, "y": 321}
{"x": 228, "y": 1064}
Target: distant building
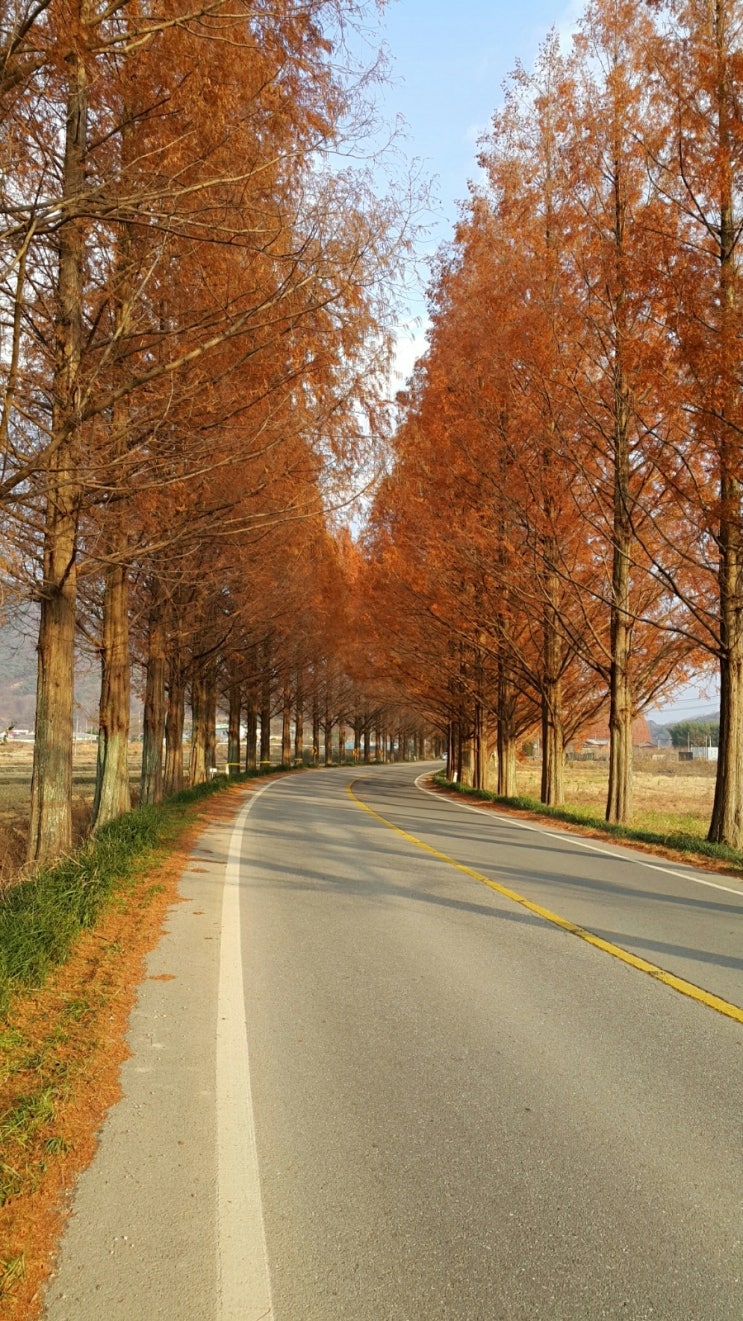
{"x": 704, "y": 754}
{"x": 593, "y": 740}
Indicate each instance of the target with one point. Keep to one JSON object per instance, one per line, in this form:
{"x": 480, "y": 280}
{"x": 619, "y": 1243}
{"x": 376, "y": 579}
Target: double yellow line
{"x": 651, "y": 969}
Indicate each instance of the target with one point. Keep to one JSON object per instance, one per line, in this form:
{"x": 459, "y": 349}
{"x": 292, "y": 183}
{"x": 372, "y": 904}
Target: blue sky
{"x": 448, "y": 64}
{"x": 449, "y": 61}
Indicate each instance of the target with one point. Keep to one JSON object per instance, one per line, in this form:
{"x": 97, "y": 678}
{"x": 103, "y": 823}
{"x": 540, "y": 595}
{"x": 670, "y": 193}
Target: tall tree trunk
{"x": 553, "y": 739}
{"x": 726, "y": 825}
{"x": 174, "y": 723}
{"x": 467, "y": 763}
{"x": 299, "y": 719}
{"x": 112, "y": 796}
{"x": 153, "y": 725}
{"x": 342, "y": 740}
{"x": 266, "y": 713}
{"x": 478, "y": 748}
{"x": 51, "y": 781}
{"x": 251, "y": 736}
{"x": 328, "y": 727}
{"x": 458, "y": 749}
{"x": 286, "y": 725}
{"x": 553, "y": 747}
{"x": 619, "y": 796}
{"x": 315, "y": 728}
{"x": 234, "y": 711}
{"x": 506, "y": 785}
{"x": 210, "y": 715}
{"x": 619, "y": 793}
{"x": 197, "y": 762}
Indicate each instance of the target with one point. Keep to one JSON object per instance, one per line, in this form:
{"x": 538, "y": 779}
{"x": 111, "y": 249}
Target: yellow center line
{"x": 667, "y": 978}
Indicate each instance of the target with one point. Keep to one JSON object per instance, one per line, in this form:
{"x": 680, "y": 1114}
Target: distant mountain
{"x": 660, "y": 734}
{"x": 18, "y": 678}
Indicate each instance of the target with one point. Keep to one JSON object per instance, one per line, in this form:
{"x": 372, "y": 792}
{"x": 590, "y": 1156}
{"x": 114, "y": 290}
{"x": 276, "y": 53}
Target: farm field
{"x": 669, "y": 796}
{"x": 15, "y": 796}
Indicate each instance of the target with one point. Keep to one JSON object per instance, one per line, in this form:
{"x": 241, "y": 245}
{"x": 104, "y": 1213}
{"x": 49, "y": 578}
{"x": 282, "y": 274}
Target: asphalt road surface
{"x": 378, "y": 1089}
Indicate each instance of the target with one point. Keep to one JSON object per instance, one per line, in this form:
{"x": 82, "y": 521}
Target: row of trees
{"x": 290, "y": 656}
{"x": 194, "y": 312}
{"x": 561, "y": 532}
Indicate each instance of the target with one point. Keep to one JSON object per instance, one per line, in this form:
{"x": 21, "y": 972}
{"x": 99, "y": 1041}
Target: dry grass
{"x": 62, "y": 1047}
{"x": 15, "y": 798}
{"x": 670, "y": 797}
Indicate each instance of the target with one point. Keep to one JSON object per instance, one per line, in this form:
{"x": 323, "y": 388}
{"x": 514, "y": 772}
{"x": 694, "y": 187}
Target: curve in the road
{"x": 678, "y": 984}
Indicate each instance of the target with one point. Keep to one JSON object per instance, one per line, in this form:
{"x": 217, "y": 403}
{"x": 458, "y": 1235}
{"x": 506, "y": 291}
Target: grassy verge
{"x": 72, "y": 945}
{"x": 41, "y": 917}
{"x": 678, "y": 841}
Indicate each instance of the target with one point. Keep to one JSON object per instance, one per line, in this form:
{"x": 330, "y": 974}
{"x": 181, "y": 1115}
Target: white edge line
{"x": 579, "y": 843}
{"x": 244, "y": 1288}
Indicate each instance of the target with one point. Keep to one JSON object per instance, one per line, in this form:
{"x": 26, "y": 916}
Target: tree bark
{"x": 153, "y": 727}
{"x": 726, "y": 825}
{"x": 553, "y": 739}
{"x": 328, "y": 727}
{"x": 210, "y": 715}
{"x": 112, "y": 795}
{"x": 266, "y": 713}
{"x": 174, "y": 723}
{"x": 619, "y": 795}
{"x": 480, "y": 751}
{"x": 286, "y": 725}
{"x": 299, "y": 720}
{"x": 467, "y": 763}
{"x": 234, "y": 698}
{"x": 553, "y": 747}
{"x": 506, "y": 784}
{"x": 51, "y": 782}
{"x": 315, "y": 729}
{"x": 197, "y": 760}
{"x": 251, "y": 737}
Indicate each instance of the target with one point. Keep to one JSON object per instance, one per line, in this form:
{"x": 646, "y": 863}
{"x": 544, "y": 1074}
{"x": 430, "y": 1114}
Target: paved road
{"x": 458, "y": 1110}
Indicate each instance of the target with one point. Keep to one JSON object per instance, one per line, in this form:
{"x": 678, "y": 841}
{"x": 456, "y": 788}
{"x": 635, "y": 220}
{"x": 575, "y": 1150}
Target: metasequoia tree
{"x": 527, "y": 460}
{"x": 587, "y": 374}
{"x": 147, "y": 194}
{"x": 695, "y": 68}
{"x": 523, "y": 159}
{"x": 619, "y": 379}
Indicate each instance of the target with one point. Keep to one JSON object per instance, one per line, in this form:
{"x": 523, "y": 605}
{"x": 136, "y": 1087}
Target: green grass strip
{"x": 41, "y": 917}
{"x": 678, "y": 840}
